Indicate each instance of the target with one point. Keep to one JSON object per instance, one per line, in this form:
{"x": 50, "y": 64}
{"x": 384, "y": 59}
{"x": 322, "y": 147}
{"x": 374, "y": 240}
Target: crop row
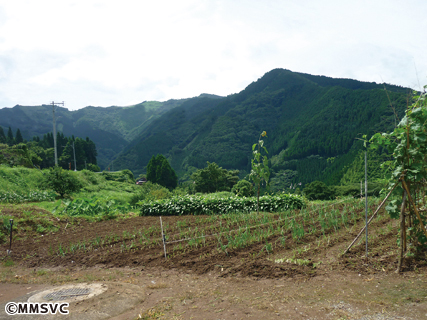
{"x": 235, "y": 230}
{"x": 32, "y": 196}
{"x": 197, "y": 205}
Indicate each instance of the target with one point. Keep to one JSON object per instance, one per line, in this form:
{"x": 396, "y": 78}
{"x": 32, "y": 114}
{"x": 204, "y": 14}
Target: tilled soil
{"x": 300, "y": 268}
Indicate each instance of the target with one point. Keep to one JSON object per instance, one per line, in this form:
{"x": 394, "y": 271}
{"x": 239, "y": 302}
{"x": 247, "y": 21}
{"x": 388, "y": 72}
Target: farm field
{"x": 275, "y": 265}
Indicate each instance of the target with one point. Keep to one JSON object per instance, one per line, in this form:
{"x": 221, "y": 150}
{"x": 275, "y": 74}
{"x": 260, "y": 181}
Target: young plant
{"x": 260, "y": 171}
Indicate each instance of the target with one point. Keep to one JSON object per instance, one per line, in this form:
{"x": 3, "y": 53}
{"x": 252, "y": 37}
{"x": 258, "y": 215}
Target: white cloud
{"x": 111, "y": 52}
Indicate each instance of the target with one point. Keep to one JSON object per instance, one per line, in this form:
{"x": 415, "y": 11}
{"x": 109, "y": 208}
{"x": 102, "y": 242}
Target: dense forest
{"x": 313, "y": 125}
{"x": 39, "y": 152}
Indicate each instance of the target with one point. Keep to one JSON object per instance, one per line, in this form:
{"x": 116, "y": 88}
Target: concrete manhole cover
{"x": 69, "y": 293}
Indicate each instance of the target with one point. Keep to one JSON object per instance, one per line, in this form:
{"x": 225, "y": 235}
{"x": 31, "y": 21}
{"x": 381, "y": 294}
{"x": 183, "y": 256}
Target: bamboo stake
{"x": 376, "y": 211}
{"x": 402, "y": 231}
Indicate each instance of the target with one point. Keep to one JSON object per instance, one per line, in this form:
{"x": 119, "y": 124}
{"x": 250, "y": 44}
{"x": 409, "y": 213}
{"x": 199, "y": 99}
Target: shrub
{"x": 61, "y": 181}
{"x": 150, "y": 191}
{"x": 243, "y": 188}
{"x": 318, "y": 190}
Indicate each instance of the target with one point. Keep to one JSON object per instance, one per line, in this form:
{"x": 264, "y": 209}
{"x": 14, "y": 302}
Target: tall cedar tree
{"x": 18, "y": 137}
{"x": 2, "y": 136}
{"x": 10, "y": 138}
{"x": 159, "y": 171}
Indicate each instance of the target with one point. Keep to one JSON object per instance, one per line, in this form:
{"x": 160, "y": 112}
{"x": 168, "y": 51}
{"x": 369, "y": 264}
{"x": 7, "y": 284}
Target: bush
{"x": 93, "y": 167}
{"x": 120, "y": 176}
{"x": 353, "y": 189}
{"x": 243, "y": 188}
{"x": 61, "y": 181}
{"x": 318, "y": 190}
{"x": 150, "y": 191}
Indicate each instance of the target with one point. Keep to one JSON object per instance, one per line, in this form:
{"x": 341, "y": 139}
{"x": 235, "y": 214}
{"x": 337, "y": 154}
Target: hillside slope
{"x": 110, "y": 128}
{"x": 308, "y": 119}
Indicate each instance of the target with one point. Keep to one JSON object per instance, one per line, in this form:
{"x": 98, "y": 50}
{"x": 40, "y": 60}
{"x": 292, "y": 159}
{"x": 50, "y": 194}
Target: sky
{"x": 123, "y": 52}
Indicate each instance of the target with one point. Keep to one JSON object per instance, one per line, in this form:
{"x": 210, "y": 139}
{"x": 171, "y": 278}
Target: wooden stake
{"x": 402, "y": 231}
{"x": 163, "y": 237}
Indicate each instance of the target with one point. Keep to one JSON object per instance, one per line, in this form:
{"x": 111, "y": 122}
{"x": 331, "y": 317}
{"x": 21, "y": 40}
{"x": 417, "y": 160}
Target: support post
{"x": 366, "y": 204}
{"x": 402, "y": 231}
{"x": 163, "y": 237}
{"x": 10, "y": 239}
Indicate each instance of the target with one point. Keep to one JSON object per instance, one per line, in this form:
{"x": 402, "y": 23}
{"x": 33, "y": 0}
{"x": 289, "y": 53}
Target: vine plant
{"x": 408, "y": 144}
{"x": 260, "y": 171}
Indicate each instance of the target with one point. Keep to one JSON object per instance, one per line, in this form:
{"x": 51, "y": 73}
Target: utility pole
{"x": 54, "y": 104}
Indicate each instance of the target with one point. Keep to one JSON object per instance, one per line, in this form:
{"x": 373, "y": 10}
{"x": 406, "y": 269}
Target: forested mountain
{"x": 308, "y": 119}
{"x": 312, "y": 123}
{"x": 110, "y": 128}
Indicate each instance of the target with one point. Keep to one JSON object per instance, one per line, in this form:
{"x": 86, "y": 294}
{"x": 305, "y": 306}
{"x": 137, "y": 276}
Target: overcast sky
{"x": 104, "y": 53}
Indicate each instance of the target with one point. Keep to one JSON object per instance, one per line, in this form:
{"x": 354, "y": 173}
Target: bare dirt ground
{"x": 307, "y": 279}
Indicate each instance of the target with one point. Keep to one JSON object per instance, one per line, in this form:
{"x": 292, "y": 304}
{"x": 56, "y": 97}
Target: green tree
{"x": 18, "y": 137}
{"x": 243, "y": 188}
{"x": 260, "y": 171}
{"x": 61, "y": 181}
{"x": 318, "y": 190}
{"x": 213, "y": 178}
{"x": 159, "y": 171}
{"x": 10, "y": 139}
{"x": 2, "y": 135}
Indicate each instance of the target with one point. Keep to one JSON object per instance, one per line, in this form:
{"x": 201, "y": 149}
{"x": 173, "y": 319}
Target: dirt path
{"x": 173, "y": 294}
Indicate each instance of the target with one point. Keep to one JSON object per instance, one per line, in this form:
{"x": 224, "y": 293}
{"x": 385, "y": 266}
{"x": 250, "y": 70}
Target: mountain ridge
{"x": 308, "y": 119}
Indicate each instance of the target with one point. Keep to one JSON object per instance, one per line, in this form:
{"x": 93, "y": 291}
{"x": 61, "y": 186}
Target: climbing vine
{"x": 408, "y": 145}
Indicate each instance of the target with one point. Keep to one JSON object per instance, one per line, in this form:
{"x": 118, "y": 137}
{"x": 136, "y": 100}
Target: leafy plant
{"x": 61, "y": 181}
{"x": 318, "y": 190}
{"x": 197, "y": 205}
{"x": 408, "y": 144}
{"x": 260, "y": 171}
{"x": 243, "y": 188}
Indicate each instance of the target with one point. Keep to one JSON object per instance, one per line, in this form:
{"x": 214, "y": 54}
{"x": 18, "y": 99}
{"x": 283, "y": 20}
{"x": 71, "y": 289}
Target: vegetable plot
{"x": 199, "y": 205}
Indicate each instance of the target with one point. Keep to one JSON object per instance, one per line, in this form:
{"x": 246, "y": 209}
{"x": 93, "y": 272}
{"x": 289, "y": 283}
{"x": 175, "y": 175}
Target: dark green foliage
{"x": 61, "y": 181}
{"x": 111, "y": 129}
{"x": 213, "y": 178}
{"x": 243, "y": 188}
{"x": 120, "y": 176}
{"x": 10, "y": 140}
{"x": 159, "y": 171}
{"x": 2, "y": 135}
{"x": 309, "y": 119}
{"x": 149, "y": 192}
{"x": 40, "y": 152}
{"x": 306, "y": 116}
{"x": 408, "y": 164}
{"x": 18, "y": 137}
{"x": 353, "y": 189}
{"x": 318, "y": 190}
{"x": 15, "y": 155}
{"x": 93, "y": 167}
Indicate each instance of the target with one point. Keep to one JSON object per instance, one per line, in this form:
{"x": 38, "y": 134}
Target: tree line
{"x": 40, "y": 152}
